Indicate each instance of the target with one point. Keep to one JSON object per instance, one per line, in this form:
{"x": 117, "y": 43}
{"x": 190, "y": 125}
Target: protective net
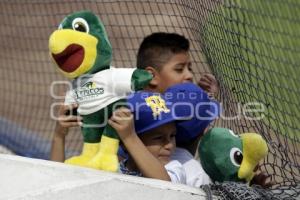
{"x": 236, "y": 191}
{"x": 252, "y": 47}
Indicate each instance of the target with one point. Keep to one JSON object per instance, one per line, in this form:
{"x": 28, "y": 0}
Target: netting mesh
{"x": 237, "y": 191}
{"x": 252, "y": 47}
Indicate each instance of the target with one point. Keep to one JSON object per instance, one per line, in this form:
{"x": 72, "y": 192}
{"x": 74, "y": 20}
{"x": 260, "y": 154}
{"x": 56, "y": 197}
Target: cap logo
{"x": 157, "y": 105}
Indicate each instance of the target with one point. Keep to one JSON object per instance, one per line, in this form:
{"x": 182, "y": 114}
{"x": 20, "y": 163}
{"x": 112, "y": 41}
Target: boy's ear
{"x": 155, "y": 80}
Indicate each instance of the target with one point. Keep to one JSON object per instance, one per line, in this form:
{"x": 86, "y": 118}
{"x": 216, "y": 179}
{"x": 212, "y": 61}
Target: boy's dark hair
{"x": 156, "y": 49}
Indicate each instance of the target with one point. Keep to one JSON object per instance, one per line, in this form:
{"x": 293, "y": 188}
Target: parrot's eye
{"x": 79, "y": 24}
{"x": 236, "y": 156}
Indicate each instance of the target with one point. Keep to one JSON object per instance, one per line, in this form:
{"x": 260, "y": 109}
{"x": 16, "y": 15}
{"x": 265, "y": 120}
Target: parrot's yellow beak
{"x": 254, "y": 149}
{"x": 74, "y": 52}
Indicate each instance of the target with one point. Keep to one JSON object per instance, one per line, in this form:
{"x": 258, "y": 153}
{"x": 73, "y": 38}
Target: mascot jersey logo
{"x": 87, "y": 91}
{"x": 157, "y": 105}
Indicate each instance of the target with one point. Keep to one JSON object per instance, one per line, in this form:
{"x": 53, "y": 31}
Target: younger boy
{"x": 151, "y": 142}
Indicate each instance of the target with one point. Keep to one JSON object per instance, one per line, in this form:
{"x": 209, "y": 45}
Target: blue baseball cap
{"x": 150, "y": 110}
{"x": 199, "y": 110}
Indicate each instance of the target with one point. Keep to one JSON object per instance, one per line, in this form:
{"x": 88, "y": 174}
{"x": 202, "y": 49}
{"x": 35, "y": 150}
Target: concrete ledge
{"x": 26, "y": 178}
{"x": 5, "y": 150}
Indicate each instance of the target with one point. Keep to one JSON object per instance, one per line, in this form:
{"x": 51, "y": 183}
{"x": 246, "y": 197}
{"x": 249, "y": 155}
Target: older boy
{"x": 166, "y": 57}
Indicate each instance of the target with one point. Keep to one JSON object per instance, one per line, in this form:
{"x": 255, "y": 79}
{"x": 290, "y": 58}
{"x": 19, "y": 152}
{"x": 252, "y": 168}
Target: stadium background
{"x": 252, "y": 47}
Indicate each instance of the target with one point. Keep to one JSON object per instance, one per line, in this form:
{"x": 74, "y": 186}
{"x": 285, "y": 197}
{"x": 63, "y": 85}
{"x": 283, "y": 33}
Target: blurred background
{"x": 252, "y": 48}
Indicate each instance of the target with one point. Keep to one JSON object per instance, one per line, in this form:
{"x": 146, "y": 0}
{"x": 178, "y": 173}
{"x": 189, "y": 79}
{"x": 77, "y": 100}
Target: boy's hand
{"x": 209, "y": 83}
{"x": 261, "y": 178}
{"x": 65, "y": 121}
{"x": 122, "y": 121}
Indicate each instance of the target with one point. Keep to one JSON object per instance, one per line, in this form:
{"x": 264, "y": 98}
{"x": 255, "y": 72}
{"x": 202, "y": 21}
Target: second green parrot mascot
{"x": 226, "y": 156}
{"x": 82, "y": 52}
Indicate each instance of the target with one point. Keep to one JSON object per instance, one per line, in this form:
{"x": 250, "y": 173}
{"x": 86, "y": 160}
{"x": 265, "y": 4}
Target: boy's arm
{"x": 61, "y": 130}
{"x": 149, "y": 166}
{"x": 58, "y": 143}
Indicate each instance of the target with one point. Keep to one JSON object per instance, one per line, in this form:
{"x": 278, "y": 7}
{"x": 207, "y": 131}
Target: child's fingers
{"x": 70, "y": 118}
{"x": 63, "y": 108}
{"x": 72, "y": 106}
{"x": 209, "y": 83}
{"x": 126, "y": 116}
{"x": 116, "y": 118}
{"x": 204, "y": 83}
{"x": 122, "y": 112}
{"x": 209, "y": 77}
{"x": 262, "y": 180}
{"x": 269, "y": 184}
{"x": 79, "y": 118}
{"x": 111, "y": 122}
{"x": 204, "y": 78}
{"x": 70, "y": 121}
{"x": 126, "y": 111}
{"x": 114, "y": 124}
{"x": 67, "y": 110}
{"x": 70, "y": 124}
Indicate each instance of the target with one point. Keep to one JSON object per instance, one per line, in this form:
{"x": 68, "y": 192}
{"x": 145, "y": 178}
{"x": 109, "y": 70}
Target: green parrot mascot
{"x": 82, "y": 52}
{"x": 226, "y": 156}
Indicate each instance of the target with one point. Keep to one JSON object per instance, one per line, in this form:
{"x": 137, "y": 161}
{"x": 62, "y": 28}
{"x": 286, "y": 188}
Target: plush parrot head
{"x": 226, "y": 156}
{"x": 80, "y": 45}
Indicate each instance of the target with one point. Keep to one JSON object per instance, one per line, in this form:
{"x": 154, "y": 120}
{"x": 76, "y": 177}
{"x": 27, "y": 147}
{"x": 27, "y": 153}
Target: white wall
{"x": 25, "y": 178}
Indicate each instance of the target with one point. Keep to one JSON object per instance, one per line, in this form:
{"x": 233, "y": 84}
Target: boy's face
{"x": 161, "y": 141}
{"x": 176, "y": 70}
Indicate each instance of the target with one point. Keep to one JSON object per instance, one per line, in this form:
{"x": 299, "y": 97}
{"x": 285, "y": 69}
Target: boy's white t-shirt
{"x": 93, "y": 92}
{"x": 183, "y": 168}
{"x": 176, "y": 172}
